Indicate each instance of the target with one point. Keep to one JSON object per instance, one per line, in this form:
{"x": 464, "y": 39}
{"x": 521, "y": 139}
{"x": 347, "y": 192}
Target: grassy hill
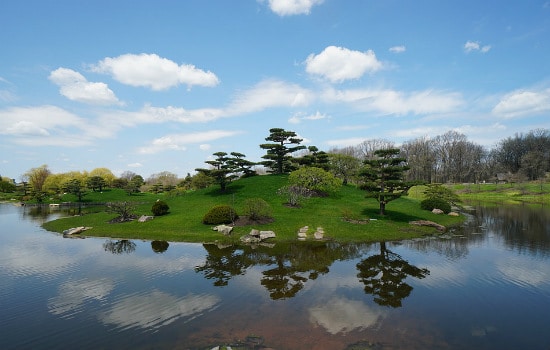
{"x": 184, "y": 222}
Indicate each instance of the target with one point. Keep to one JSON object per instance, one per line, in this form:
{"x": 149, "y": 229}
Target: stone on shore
{"x": 224, "y": 229}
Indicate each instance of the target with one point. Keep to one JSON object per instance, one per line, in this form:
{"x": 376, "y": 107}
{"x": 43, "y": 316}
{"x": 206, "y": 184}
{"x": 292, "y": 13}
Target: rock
{"x": 266, "y": 234}
{"x": 224, "y": 229}
{"x": 302, "y": 232}
{"x": 256, "y": 236}
{"x": 75, "y": 230}
{"x": 439, "y": 227}
{"x": 320, "y": 233}
{"x": 250, "y": 239}
{"x": 437, "y": 211}
{"x": 454, "y": 213}
{"x": 145, "y": 218}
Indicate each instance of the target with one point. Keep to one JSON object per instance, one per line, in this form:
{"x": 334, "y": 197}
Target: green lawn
{"x": 532, "y": 193}
{"x": 184, "y": 222}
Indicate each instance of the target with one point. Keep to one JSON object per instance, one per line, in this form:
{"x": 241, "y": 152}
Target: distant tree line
{"x": 447, "y": 158}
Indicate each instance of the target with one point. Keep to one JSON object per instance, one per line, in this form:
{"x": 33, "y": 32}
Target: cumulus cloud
{"x": 43, "y": 125}
{"x": 179, "y": 142}
{"x": 157, "y": 73}
{"x": 292, "y": 7}
{"x": 267, "y": 94}
{"x": 523, "y": 102}
{"x": 398, "y": 49}
{"x": 386, "y": 101}
{"x": 338, "y": 64}
{"x": 470, "y": 46}
{"x": 76, "y": 87}
{"x": 342, "y": 315}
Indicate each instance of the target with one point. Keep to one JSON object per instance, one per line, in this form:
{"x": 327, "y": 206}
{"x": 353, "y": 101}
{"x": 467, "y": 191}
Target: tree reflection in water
{"x": 288, "y": 266}
{"x": 384, "y": 276}
{"x": 119, "y": 247}
{"x": 159, "y": 246}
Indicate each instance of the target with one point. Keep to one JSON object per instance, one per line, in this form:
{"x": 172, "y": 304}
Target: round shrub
{"x": 435, "y": 203}
{"x": 257, "y": 209}
{"x": 220, "y": 214}
{"x": 160, "y": 208}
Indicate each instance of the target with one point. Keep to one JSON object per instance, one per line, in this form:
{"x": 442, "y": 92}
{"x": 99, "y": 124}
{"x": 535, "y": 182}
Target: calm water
{"x": 485, "y": 287}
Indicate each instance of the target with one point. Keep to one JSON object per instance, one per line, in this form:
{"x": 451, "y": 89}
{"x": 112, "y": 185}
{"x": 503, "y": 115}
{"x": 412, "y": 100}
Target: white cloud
{"x": 75, "y": 87}
{"x": 342, "y": 315}
{"x": 156, "y": 309}
{"x": 470, "y": 46}
{"x": 43, "y": 125}
{"x": 398, "y": 49}
{"x": 298, "y": 117}
{"x": 292, "y": 7}
{"x": 178, "y": 142}
{"x": 267, "y": 94}
{"x": 155, "y": 72}
{"x": 338, "y": 64}
{"x": 523, "y": 102}
{"x": 135, "y": 165}
{"x": 73, "y": 294}
{"x": 396, "y": 102}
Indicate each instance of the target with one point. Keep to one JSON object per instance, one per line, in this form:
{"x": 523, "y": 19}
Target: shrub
{"x": 220, "y": 214}
{"x": 436, "y": 203}
{"x": 160, "y": 208}
{"x": 257, "y": 208}
{"x": 315, "y": 179}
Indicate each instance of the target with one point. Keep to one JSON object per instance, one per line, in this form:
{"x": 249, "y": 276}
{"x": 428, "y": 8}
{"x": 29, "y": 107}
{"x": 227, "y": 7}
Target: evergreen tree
{"x": 278, "y": 156}
{"x": 384, "y": 177}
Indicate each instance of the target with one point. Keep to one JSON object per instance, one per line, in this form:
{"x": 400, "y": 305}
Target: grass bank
{"x": 523, "y": 193}
{"x": 184, "y": 222}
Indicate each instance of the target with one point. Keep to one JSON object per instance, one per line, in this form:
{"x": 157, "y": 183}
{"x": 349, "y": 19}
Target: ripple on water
{"x": 151, "y": 310}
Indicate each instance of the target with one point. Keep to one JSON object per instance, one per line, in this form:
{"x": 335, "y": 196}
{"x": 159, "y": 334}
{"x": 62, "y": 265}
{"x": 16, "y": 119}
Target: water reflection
{"x": 286, "y": 266}
{"x": 119, "y": 247}
{"x": 384, "y": 276}
{"x": 159, "y": 246}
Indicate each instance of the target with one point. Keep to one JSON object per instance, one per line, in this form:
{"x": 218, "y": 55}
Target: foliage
{"x": 315, "y": 179}
{"x": 384, "y": 177}
{"x": 344, "y": 166}
{"x": 220, "y": 214}
{"x": 184, "y": 223}
{"x": 278, "y": 156}
{"x": 226, "y": 168}
{"x": 435, "y": 203}
{"x": 7, "y": 187}
{"x": 160, "y": 208}
{"x": 74, "y": 186}
{"x": 96, "y": 183}
{"x": 294, "y": 194}
{"x": 124, "y": 210}
{"x": 257, "y": 209}
{"x": 314, "y": 158}
{"x": 441, "y": 192}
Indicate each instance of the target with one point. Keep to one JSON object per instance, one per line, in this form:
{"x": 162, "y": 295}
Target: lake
{"x": 482, "y": 286}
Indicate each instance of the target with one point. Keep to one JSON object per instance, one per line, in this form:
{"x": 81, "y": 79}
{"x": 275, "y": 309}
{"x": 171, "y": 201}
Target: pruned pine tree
{"x": 384, "y": 177}
{"x": 279, "y": 151}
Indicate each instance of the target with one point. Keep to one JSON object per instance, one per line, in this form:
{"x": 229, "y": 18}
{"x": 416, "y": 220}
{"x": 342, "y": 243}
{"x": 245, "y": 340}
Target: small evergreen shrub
{"x": 436, "y": 203}
{"x": 160, "y": 208}
{"x": 257, "y": 209}
{"x": 220, "y": 214}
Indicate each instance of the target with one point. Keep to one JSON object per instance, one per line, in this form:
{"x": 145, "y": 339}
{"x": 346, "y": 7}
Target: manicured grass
{"x": 531, "y": 193}
{"x": 184, "y": 222}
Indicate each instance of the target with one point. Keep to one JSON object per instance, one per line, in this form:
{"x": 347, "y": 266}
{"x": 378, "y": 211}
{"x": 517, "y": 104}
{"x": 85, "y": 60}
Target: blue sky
{"x": 151, "y": 86}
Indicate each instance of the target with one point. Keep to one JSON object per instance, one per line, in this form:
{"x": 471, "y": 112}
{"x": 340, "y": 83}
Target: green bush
{"x": 220, "y": 214}
{"x": 160, "y": 208}
{"x": 257, "y": 208}
{"x": 436, "y": 203}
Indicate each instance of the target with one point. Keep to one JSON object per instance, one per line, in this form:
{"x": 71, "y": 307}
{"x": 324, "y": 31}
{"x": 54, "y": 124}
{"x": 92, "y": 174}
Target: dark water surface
{"x": 486, "y": 286}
